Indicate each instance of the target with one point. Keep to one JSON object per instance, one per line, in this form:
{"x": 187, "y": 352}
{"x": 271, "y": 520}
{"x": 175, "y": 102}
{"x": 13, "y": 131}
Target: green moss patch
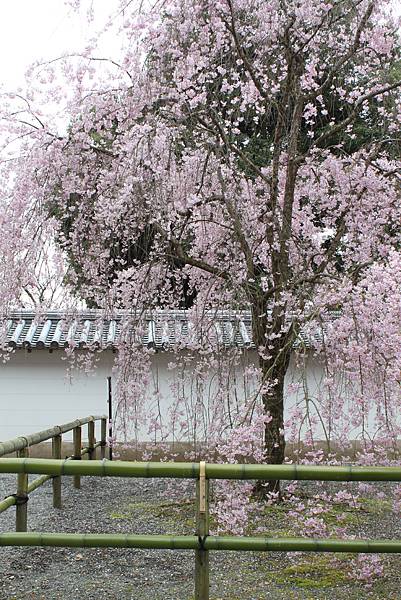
{"x": 375, "y": 505}
{"x": 318, "y": 572}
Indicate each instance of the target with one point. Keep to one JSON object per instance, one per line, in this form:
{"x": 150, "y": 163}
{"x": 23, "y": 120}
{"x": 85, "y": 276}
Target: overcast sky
{"x": 36, "y": 29}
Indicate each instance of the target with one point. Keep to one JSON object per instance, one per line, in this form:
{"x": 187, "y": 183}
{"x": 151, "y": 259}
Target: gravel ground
{"x": 151, "y": 506}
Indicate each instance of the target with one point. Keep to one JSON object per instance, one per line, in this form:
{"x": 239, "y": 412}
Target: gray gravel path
{"x": 50, "y": 573}
{"x": 139, "y": 506}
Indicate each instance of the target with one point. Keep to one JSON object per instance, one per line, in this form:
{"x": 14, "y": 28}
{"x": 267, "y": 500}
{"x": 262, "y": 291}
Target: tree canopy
{"x": 242, "y": 155}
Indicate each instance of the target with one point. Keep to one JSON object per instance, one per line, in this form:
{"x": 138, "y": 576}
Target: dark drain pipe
{"x": 109, "y": 401}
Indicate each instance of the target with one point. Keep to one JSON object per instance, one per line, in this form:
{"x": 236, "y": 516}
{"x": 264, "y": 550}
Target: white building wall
{"x": 36, "y": 391}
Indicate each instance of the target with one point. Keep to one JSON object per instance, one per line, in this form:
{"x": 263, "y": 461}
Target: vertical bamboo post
{"x": 77, "y": 438}
{"x": 21, "y": 513}
{"x": 56, "y": 453}
{"x": 91, "y": 440}
{"x": 103, "y": 436}
{"x": 202, "y": 530}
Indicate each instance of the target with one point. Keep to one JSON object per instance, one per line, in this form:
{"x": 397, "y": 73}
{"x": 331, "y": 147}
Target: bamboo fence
{"x": 21, "y": 442}
{"x": 201, "y": 542}
{"x": 21, "y": 446}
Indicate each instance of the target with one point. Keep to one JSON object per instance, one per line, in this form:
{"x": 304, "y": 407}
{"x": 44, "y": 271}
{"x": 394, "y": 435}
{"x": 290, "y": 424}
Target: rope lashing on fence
{"x": 202, "y": 542}
{"x": 20, "y": 499}
{"x": 105, "y": 468}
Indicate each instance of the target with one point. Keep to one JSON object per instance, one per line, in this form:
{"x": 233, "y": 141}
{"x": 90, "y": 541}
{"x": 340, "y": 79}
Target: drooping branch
{"x": 358, "y": 105}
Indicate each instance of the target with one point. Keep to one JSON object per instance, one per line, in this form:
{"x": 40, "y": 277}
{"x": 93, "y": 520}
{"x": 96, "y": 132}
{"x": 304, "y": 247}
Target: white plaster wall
{"x": 36, "y": 393}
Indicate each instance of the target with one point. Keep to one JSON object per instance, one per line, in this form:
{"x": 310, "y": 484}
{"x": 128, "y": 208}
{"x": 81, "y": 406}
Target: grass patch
{"x": 117, "y": 515}
{"x": 181, "y": 514}
{"x": 317, "y": 573}
{"x": 340, "y": 514}
{"x": 375, "y": 505}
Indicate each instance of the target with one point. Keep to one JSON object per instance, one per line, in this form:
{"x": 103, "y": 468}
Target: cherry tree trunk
{"x": 273, "y": 403}
{"x": 274, "y": 358}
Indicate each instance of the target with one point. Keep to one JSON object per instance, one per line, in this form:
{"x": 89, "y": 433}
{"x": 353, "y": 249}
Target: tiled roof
{"x": 162, "y": 329}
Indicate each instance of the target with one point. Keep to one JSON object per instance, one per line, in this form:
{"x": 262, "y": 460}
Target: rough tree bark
{"x": 273, "y": 364}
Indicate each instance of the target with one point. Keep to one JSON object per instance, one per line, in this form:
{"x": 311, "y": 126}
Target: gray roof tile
{"x": 161, "y": 330}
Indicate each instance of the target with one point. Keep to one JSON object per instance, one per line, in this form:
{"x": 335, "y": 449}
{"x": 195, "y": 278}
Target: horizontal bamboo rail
{"x": 191, "y": 542}
{"x": 106, "y": 468}
{"x": 21, "y": 442}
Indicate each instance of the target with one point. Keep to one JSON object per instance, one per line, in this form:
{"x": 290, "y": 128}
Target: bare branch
{"x": 241, "y": 52}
